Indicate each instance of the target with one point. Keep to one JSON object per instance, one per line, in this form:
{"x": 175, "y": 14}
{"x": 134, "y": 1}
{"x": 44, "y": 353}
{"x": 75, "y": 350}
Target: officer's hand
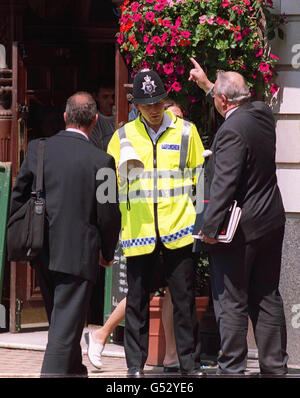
{"x": 105, "y": 263}
{"x": 198, "y": 76}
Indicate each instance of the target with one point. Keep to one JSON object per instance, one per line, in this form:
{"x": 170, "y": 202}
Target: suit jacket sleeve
{"x": 230, "y": 155}
{"x": 108, "y": 213}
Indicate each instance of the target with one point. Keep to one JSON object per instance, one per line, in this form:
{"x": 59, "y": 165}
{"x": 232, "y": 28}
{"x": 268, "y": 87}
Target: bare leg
{"x": 168, "y": 324}
{"x": 101, "y": 335}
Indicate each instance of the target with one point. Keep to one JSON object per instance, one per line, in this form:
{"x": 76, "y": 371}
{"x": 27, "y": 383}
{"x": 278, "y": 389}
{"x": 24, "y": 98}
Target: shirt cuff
{"x": 210, "y": 90}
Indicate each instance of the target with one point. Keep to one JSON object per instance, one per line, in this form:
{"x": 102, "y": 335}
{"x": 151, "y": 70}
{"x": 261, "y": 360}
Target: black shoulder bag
{"x": 25, "y": 228}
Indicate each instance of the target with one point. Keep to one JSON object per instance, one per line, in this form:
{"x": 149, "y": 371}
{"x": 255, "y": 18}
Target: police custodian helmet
{"x": 148, "y": 87}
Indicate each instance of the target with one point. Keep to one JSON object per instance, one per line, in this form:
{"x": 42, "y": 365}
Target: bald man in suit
{"x": 78, "y": 226}
{"x": 244, "y": 273}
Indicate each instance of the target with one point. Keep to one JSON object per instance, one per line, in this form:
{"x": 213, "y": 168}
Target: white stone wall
{"x": 287, "y": 110}
{"x": 287, "y": 113}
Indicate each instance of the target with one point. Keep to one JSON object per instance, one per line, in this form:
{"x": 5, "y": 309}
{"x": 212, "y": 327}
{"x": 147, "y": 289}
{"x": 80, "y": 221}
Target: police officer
{"x": 157, "y": 218}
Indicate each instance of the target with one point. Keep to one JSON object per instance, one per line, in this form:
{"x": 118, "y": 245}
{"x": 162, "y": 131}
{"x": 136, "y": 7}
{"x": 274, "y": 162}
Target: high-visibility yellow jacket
{"x": 159, "y": 202}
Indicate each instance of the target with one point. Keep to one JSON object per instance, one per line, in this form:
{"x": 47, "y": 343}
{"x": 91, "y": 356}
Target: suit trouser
{"x": 245, "y": 281}
{"x": 179, "y": 273}
{"x": 67, "y": 300}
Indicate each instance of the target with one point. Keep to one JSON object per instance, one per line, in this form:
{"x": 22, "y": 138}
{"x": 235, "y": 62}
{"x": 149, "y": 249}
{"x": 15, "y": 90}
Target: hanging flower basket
{"x": 221, "y": 34}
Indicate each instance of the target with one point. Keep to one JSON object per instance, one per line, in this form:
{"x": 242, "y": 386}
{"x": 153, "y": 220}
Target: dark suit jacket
{"x": 78, "y": 226}
{"x": 242, "y": 167}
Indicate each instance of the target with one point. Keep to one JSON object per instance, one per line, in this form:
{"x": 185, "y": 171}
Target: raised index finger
{"x": 195, "y": 63}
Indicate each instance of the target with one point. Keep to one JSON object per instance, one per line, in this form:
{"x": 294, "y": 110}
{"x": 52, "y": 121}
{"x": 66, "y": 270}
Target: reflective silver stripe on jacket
{"x": 178, "y": 174}
{"x": 161, "y": 193}
{"x": 185, "y": 136}
{"x": 122, "y": 132}
{"x": 184, "y": 144}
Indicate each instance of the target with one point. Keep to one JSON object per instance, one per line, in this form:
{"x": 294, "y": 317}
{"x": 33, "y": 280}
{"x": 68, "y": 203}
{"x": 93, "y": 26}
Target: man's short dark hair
{"x": 81, "y": 109}
{"x": 105, "y": 84}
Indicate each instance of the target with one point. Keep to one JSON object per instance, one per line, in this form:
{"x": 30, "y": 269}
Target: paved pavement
{"x": 21, "y": 356}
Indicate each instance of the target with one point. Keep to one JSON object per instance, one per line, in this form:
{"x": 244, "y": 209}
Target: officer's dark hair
{"x": 81, "y": 109}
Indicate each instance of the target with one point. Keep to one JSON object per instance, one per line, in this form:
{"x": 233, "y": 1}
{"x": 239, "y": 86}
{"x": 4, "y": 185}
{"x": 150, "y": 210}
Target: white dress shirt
{"x": 78, "y": 131}
{"x": 167, "y": 122}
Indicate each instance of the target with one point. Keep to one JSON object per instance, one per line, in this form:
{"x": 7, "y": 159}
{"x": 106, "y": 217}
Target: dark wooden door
{"x": 43, "y": 78}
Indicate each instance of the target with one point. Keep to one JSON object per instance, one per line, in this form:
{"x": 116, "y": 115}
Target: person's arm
{"x": 109, "y": 216}
{"x": 198, "y": 76}
{"x": 230, "y": 155}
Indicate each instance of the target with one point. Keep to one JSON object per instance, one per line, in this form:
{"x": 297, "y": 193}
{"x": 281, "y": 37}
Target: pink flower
{"x": 274, "y": 57}
{"x": 166, "y": 23}
{"x": 163, "y": 38}
{"x": 159, "y": 69}
{"x": 219, "y": 21}
{"x": 169, "y": 68}
{"x": 238, "y": 9}
{"x": 264, "y": 67}
{"x": 259, "y": 52}
{"x": 186, "y": 34}
{"x": 150, "y": 49}
{"x": 150, "y": 16}
{"x": 156, "y": 39}
{"x": 146, "y": 39}
{"x": 137, "y": 17}
{"x": 225, "y": 4}
{"x": 180, "y": 69}
{"x": 159, "y": 7}
{"x": 120, "y": 38}
{"x": 178, "y": 22}
{"x": 274, "y": 88}
{"x": 176, "y": 86}
{"x": 145, "y": 65}
{"x": 246, "y": 31}
{"x": 202, "y": 19}
{"x": 237, "y": 36}
{"x": 173, "y": 42}
{"x": 268, "y": 77}
{"x": 134, "y": 6}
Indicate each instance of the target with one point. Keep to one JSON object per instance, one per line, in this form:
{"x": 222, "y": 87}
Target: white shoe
{"x": 94, "y": 351}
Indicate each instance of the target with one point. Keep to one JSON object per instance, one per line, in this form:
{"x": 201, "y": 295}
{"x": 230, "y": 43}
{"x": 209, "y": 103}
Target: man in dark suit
{"x": 245, "y": 273}
{"x": 78, "y": 225}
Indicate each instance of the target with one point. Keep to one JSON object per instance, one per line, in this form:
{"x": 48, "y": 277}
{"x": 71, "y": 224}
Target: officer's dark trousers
{"x": 179, "y": 274}
{"x": 245, "y": 282}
